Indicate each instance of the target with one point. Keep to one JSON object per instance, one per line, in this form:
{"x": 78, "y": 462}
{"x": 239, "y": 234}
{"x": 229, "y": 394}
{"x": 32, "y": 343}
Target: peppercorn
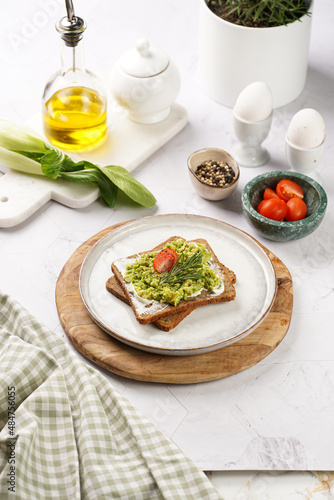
{"x": 215, "y": 173}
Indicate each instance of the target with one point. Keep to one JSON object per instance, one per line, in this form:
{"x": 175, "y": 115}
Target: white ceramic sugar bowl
{"x": 145, "y": 82}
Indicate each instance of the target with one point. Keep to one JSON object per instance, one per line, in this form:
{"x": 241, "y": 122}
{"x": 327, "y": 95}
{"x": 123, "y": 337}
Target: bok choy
{"x": 21, "y": 149}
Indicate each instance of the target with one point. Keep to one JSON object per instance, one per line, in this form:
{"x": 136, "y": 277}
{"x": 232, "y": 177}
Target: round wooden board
{"x": 96, "y": 345}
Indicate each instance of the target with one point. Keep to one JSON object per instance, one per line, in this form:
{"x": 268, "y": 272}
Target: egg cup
{"x": 304, "y": 160}
{"x": 249, "y": 152}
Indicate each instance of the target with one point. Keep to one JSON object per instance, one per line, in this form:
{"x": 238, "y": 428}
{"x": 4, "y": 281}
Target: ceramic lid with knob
{"x": 144, "y": 60}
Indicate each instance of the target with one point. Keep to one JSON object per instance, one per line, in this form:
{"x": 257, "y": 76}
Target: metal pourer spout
{"x": 70, "y": 10}
{"x": 71, "y": 27}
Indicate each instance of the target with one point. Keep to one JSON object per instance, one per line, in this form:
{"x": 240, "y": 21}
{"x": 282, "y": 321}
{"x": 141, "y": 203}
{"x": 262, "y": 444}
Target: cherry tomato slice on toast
{"x": 164, "y": 260}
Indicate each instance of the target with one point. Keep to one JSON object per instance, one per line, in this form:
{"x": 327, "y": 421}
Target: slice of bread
{"x": 165, "y": 324}
{"x": 148, "y": 313}
{"x": 169, "y": 322}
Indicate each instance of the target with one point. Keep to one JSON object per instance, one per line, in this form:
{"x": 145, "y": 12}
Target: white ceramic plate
{"x": 207, "y": 328}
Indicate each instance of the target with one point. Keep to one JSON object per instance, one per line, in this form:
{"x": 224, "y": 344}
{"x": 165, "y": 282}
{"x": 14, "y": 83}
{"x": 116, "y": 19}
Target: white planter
{"x": 232, "y": 56}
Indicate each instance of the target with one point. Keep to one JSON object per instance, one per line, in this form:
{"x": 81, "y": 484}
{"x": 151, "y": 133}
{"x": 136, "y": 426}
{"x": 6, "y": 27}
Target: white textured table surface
{"x": 276, "y": 416}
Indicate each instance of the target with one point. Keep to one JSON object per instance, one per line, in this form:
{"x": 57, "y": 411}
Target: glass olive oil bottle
{"x": 74, "y": 102}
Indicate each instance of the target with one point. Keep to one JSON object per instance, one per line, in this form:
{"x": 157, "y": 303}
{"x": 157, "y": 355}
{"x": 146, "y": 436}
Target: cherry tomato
{"x": 274, "y": 209}
{"x": 296, "y": 209}
{"x": 287, "y": 189}
{"x": 260, "y": 205}
{"x": 269, "y": 193}
{"x": 164, "y": 260}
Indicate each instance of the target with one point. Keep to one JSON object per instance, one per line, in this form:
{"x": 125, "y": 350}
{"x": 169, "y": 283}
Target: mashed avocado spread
{"x": 146, "y": 281}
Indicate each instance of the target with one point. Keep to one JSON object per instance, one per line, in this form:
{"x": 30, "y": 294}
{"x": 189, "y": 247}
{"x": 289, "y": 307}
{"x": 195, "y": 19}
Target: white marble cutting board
{"x": 128, "y": 144}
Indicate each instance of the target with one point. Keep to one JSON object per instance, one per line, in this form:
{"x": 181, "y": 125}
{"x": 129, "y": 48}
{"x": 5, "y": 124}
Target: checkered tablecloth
{"x": 66, "y": 433}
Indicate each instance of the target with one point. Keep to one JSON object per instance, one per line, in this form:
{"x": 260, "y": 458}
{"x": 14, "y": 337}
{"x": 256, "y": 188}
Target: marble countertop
{"x": 277, "y": 415}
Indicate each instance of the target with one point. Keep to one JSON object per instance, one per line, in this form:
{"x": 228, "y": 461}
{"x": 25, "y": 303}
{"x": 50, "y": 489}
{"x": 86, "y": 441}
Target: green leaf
{"x": 108, "y": 190}
{"x": 51, "y": 163}
{"x": 260, "y": 13}
{"x": 32, "y": 156}
{"x": 21, "y": 150}
{"x": 16, "y": 161}
{"x": 68, "y": 165}
{"x": 129, "y": 185}
{"x": 259, "y": 10}
{"x": 20, "y": 138}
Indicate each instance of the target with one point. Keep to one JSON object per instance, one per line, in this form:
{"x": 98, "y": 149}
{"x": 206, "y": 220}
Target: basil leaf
{"x": 130, "y": 186}
{"x": 108, "y": 190}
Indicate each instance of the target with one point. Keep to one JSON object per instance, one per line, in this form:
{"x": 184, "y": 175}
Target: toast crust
{"x": 164, "y": 324}
{"x": 148, "y": 314}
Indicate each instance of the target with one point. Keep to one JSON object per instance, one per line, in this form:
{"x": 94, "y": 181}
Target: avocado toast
{"x": 184, "y": 297}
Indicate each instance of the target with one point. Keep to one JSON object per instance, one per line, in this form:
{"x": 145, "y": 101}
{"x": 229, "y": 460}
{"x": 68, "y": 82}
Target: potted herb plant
{"x": 243, "y": 41}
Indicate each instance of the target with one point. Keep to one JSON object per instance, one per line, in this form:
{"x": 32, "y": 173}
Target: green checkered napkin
{"x": 66, "y": 433}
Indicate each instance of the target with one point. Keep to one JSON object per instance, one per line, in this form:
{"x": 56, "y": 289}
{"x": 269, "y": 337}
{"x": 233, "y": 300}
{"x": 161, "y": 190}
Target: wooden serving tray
{"x": 96, "y": 345}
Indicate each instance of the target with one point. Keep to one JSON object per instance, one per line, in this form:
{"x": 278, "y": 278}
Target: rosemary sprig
{"x": 183, "y": 269}
{"x": 262, "y": 13}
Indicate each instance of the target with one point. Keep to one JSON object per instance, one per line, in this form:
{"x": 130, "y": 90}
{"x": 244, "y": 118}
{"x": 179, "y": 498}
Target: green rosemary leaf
{"x": 183, "y": 270}
{"x": 261, "y": 13}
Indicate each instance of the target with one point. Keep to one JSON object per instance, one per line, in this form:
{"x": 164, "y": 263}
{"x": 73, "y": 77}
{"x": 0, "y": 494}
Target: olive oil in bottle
{"x": 74, "y": 102}
{"x": 75, "y": 118}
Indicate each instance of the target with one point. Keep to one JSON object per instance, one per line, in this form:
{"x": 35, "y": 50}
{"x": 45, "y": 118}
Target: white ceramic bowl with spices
{"x": 213, "y": 191}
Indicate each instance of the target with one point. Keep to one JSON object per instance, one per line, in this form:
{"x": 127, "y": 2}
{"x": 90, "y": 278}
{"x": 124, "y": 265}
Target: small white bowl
{"x": 207, "y": 191}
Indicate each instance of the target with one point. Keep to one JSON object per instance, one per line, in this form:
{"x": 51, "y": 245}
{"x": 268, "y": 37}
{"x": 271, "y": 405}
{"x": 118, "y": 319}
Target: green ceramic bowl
{"x": 314, "y": 197}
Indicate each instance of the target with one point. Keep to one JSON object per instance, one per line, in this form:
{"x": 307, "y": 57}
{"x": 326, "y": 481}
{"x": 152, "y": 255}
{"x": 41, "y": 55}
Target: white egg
{"x": 254, "y": 103}
{"x": 307, "y": 129}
